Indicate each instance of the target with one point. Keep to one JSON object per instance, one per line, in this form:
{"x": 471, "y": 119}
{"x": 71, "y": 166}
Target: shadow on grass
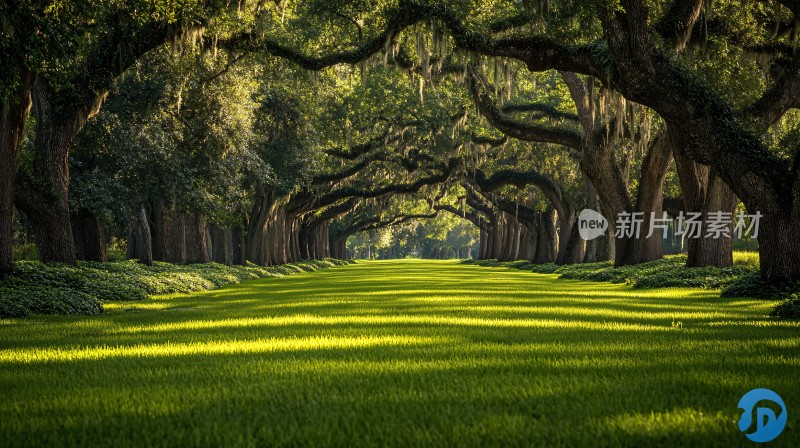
{"x": 397, "y": 354}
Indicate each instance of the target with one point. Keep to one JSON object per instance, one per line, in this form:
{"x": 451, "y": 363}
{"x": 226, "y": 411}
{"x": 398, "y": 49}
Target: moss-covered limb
{"x": 309, "y": 201}
{"x": 519, "y": 211}
{"x": 111, "y": 54}
{"x": 354, "y": 151}
{"x": 677, "y": 23}
{"x": 461, "y": 213}
{"x": 378, "y": 222}
{"x": 480, "y": 89}
{"x": 777, "y": 100}
{"x": 398, "y": 219}
{"x": 538, "y": 52}
{"x": 342, "y": 174}
{"x": 519, "y": 179}
{"x": 511, "y": 22}
{"x": 488, "y": 141}
{"x": 479, "y": 203}
{"x": 397, "y": 19}
{"x": 539, "y": 110}
{"x": 334, "y": 211}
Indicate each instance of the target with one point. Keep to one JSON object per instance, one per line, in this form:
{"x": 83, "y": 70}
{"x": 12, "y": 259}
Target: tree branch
{"x": 513, "y": 128}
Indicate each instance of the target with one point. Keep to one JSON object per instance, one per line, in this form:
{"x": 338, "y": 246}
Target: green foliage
{"x": 753, "y": 285}
{"x": 665, "y": 273}
{"x": 39, "y": 288}
{"x": 20, "y": 302}
{"x": 790, "y": 309}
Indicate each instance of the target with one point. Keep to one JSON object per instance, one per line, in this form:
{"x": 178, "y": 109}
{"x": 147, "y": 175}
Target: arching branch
{"x": 514, "y": 128}
{"x": 540, "y": 110}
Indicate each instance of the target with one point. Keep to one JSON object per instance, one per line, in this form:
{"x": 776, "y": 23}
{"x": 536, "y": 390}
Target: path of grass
{"x": 399, "y": 353}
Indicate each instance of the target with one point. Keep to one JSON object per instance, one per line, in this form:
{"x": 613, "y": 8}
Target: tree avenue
{"x": 272, "y": 132}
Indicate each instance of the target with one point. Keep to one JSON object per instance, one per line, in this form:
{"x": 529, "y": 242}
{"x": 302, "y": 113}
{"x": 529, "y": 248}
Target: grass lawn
{"x": 398, "y": 353}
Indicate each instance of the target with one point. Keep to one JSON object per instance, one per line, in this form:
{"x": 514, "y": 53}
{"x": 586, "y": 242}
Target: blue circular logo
{"x": 768, "y": 425}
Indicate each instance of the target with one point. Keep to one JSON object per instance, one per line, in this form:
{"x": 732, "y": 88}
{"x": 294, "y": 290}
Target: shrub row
{"x": 39, "y": 288}
{"x": 670, "y": 271}
{"x": 741, "y": 280}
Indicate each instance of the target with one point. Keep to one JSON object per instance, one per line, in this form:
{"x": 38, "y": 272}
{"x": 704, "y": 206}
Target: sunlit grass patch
{"x": 398, "y": 353}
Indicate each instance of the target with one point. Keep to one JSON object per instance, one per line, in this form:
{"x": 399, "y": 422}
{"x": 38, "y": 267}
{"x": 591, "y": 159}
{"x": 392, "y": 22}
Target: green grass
{"x": 398, "y": 353}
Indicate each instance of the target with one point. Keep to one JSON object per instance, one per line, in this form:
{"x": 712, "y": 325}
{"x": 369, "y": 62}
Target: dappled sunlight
{"x": 656, "y": 425}
{"x": 430, "y": 320}
{"x": 505, "y": 351}
{"x": 207, "y": 348}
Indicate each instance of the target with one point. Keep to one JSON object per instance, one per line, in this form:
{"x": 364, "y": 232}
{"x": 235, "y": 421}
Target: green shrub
{"x": 41, "y": 288}
{"x": 20, "y": 302}
{"x": 790, "y": 309}
{"x": 670, "y": 271}
{"x": 753, "y": 285}
{"x": 544, "y": 268}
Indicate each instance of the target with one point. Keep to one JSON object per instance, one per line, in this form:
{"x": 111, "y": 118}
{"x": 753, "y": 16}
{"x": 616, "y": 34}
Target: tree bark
{"x": 198, "y": 249}
{"x": 705, "y": 192}
{"x": 158, "y": 231}
{"x": 44, "y": 195}
{"x": 238, "y": 248}
{"x": 13, "y": 116}
{"x": 140, "y": 244}
{"x": 546, "y": 238}
{"x": 176, "y": 239}
{"x": 719, "y": 198}
{"x": 89, "y": 237}
{"x": 221, "y": 244}
{"x": 649, "y": 202}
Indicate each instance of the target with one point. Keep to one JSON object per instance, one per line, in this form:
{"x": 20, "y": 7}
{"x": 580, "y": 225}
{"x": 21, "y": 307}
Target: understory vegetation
{"x": 740, "y": 280}
{"x": 40, "y": 288}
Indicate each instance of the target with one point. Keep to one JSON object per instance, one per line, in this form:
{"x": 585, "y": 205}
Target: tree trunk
{"x": 592, "y": 246}
{"x": 574, "y": 247}
{"x": 483, "y": 244}
{"x": 176, "y": 238}
{"x": 158, "y": 231}
{"x": 13, "y": 116}
{"x": 705, "y": 192}
{"x": 256, "y": 229}
{"x": 779, "y": 248}
{"x": 221, "y": 244}
{"x": 566, "y": 246}
{"x": 89, "y": 237}
{"x": 197, "y": 244}
{"x": 717, "y": 251}
{"x": 307, "y": 242}
{"x": 238, "y": 248}
{"x": 546, "y": 238}
{"x": 140, "y": 244}
{"x": 45, "y": 194}
{"x": 649, "y": 202}
{"x": 527, "y": 242}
